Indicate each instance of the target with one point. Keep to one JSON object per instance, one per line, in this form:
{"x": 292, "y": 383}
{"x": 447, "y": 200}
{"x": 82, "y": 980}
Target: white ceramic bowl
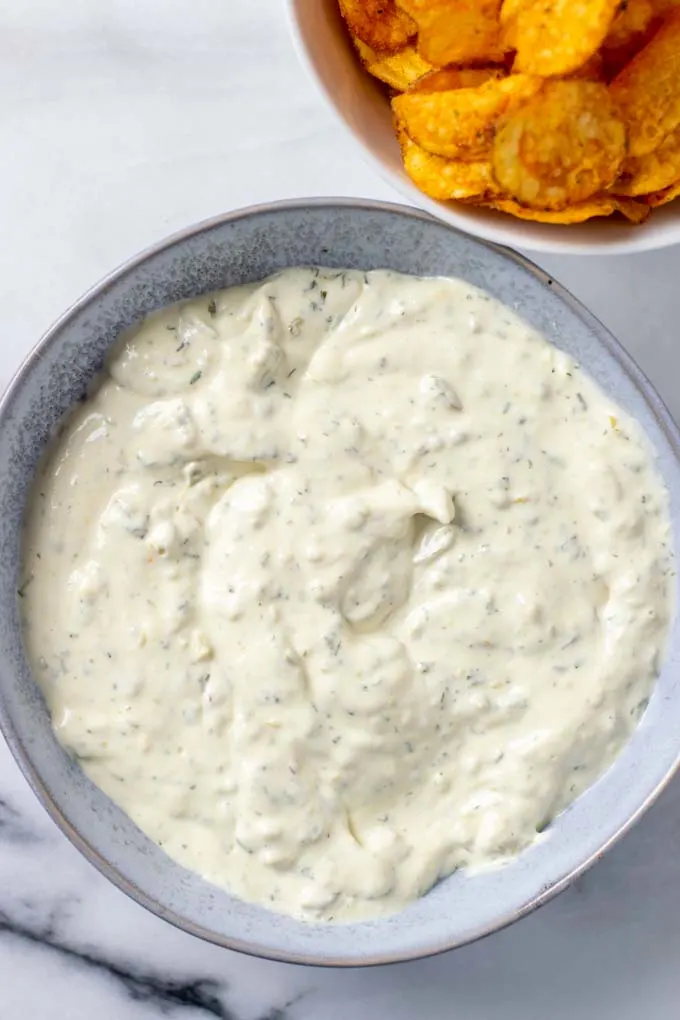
{"x": 362, "y": 106}
{"x": 238, "y": 248}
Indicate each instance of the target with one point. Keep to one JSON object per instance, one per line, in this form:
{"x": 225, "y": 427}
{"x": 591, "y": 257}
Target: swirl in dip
{"x": 342, "y": 581}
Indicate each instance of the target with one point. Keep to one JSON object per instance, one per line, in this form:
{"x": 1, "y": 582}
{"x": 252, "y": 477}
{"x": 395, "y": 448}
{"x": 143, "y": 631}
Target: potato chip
{"x": 379, "y": 24}
{"x": 457, "y": 31}
{"x": 508, "y": 21}
{"x": 509, "y": 11}
{"x": 635, "y": 212}
{"x": 592, "y": 70}
{"x": 561, "y": 147}
{"x": 664, "y": 7}
{"x": 628, "y": 33}
{"x": 647, "y": 91}
{"x": 549, "y": 142}
{"x": 460, "y": 123}
{"x": 457, "y": 78}
{"x": 446, "y": 178}
{"x": 632, "y": 28}
{"x": 368, "y": 56}
{"x": 657, "y": 170}
{"x": 399, "y": 70}
{"x": 663, "y": 197}
{"x": 555, "y": 37}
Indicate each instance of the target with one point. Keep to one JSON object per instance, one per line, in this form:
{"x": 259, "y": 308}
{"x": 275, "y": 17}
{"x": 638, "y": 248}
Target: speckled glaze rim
{"x": 21, "y": 753}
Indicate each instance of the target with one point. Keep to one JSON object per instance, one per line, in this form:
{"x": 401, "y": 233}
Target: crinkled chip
{"x": 448, "y": 78}
{"x": 664, "y": 7}
{"x": 662, "y": 197}
{"x": 379, "y": 24}
{"x": 457, "y": 31}
{"x": 632, "y": 27}
{"x": 399, "y": 70}
{"x": 561, "y": 147}
{"x": 508, "y": 22}
{"x": 592, "y": 70}
{"x": 632, "y": 19}
{"x": 367, "y": 55}
{"x": 657, "y": 170}
{"x": 636, "y": 212}
{"x": 460, "y": 123}
{"x": 556, "y": 37}
{"x": 446, "y": 178}
{"x": 647, "y": 91}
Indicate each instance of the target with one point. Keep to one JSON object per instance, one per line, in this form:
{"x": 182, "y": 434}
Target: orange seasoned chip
{"x": 663, "y": 197}
{"x": 457, "y": 31}
{"x": 632, "y": 27}
{"x": 632, "y": 19}
{"x": 379, "y": 24}
{"x": 641, "y": 175}
{"x": 399, "y": 70}
{"x": 592, "y": 70}
{"x": 635, "y": 212}
{"x": 460, "y": 123}
{"x": 446, "y": 178}
{"x": 367, "y": 55}
{"x": 508, "y": 22}
{"x": 560, "y": 147}
{"x": 556, "y": 37}
{"x": 457, "y": 78}
{"x": 664, "y": 7}
{"x": 647, "y": 91}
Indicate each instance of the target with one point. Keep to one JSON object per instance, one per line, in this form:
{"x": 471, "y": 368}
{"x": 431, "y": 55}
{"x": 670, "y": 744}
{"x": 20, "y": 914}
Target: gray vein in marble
{"x": 13, "y": 828}
{"x": 203, "y": 994}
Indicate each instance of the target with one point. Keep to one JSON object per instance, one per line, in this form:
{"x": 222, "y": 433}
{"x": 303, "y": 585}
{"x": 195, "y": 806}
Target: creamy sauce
{"x": 343, "y": 581}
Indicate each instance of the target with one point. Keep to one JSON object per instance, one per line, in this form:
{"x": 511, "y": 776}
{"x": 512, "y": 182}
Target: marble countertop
{"x": 123, "y": 121}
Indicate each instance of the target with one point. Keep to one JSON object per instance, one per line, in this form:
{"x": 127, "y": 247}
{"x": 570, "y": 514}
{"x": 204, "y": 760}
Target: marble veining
{"x": 122, "y": 122}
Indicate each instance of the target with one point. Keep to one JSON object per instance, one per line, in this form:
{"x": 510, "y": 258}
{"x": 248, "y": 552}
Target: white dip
{"x": 341, "y": 582}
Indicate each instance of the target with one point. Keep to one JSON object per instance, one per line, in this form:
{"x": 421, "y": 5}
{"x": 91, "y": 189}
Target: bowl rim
{"x": 22, "y": 755}
{"x": 497, "y": 228}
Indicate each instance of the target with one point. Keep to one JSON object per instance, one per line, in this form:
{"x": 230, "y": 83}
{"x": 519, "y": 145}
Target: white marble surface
{"x": 122, "y": 121}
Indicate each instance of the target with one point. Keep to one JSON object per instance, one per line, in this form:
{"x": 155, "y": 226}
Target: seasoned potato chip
{"x": 657, "y": 170}
{"x": 460, "y": 123}
{"x": 379, "y": 24}
{"x": 457, "y": 78}
{"x": 647, "y": 91}
{"x": 457, "y": 31}
{"x": 664, "y": 7}
{"x": 446, "y": 178}
{"x": 368, "y": 56}
{"x": 400, "y": 70}
{"x": 628, "y": 33}
{"x": 561, "y": 147}
{"x": 632, "y": 18}
{"x": 509, "y": 11}
{"x": 663, "y": 197}
{"x": 592, "y": 70}
{"x": 555, "y": 37}
{"x": 579, "y": 213}
{"x": 634, "y": 211}
{"x": 508, "y": 22}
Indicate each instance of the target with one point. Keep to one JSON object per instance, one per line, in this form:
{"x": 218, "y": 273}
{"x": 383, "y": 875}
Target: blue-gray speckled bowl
{"x": 245, "y": 246}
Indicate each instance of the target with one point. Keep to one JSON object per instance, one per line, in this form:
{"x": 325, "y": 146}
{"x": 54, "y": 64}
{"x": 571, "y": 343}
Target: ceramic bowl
{"x": 363, "y": 108}
{"x": 246, "y": 246}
